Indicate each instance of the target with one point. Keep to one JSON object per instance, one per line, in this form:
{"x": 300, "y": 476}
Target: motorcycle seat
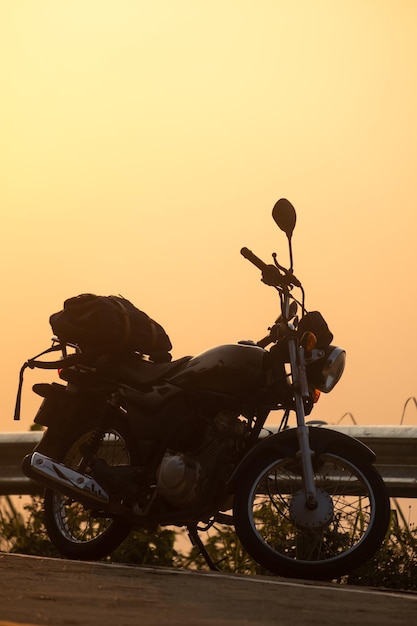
{"x": 132, "y": 369}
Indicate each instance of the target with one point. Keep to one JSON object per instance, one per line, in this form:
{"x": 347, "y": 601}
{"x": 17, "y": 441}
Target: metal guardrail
{"x": 395, "y": 448}
{"x": 396, "y": 455}
{"x": 13, "y": 448}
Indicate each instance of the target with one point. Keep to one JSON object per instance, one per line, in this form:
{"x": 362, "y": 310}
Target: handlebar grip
{"x": 248, "y": 254}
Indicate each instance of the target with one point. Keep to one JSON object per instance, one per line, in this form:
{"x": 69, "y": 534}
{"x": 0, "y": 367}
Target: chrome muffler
{"x": 58, "y": 476}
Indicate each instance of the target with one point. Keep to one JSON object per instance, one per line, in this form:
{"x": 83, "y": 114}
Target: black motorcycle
{"x": 133, "y": 442}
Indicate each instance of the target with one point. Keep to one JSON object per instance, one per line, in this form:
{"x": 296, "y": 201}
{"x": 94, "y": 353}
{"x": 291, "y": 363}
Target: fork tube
{"x": 301, "y": 389}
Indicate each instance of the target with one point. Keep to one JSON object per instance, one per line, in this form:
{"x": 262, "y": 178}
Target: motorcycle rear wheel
{"x": 285, "y": 537}
{"x": 76, "y": 531}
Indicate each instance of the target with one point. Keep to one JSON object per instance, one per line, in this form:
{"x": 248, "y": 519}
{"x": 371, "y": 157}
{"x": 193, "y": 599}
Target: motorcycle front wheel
{"x": 282, "y": 534}
{"x": 75, "y": 530}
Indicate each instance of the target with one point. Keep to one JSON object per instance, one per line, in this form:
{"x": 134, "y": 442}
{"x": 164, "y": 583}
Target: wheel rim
{"x": 343, "y": 519}
{"x": 75, "y": 522}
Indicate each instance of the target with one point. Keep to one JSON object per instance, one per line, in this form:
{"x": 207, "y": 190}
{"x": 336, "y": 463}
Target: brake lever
{"x": 289, "y": 277}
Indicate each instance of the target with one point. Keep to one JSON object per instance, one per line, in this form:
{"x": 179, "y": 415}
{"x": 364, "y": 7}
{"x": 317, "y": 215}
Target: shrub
{"x": 26, "y": 534}
{"x": 393, "y": 567}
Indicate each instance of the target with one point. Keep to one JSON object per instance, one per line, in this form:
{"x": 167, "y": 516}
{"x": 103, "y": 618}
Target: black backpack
{"x": 110, "y": 323}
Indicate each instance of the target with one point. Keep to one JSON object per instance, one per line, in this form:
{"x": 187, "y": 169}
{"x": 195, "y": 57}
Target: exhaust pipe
{"x": 58, "y": 476}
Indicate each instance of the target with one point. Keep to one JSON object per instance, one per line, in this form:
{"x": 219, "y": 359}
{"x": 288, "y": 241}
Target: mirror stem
{"x": 291, "y": 259}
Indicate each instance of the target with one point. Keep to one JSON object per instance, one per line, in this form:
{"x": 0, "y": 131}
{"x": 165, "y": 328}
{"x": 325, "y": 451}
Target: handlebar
{"x": 248, "y": 254}
{"x": 271, "y": 274}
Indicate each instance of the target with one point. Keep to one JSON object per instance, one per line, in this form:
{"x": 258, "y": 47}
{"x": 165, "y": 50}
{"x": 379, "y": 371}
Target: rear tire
{"x": 285, "y": 537}
{"x": 76, "y": 531}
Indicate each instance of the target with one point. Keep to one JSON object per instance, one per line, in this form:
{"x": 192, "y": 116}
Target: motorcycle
{"x": 132, "y": 443}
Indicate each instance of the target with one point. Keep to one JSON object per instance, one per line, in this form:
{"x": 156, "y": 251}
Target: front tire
{"x": 284, "y": 536}
{"x": 75, "y": 530}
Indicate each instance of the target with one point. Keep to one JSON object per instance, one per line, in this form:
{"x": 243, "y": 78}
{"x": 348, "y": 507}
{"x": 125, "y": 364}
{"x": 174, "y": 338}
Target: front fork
{"x": 299, "y": 379}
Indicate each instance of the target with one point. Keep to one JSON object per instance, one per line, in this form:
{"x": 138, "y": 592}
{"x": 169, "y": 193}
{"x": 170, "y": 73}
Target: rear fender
{"x": 285, "y": 444}
{"x": 64, "y": 413}
{"x": 54, "y": 400}
{"x": 62, "y": 404}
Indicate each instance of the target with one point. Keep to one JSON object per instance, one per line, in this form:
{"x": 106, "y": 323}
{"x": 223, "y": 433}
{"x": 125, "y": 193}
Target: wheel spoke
{"x": 306, "y": 538}
{"x": 77, "y": 523}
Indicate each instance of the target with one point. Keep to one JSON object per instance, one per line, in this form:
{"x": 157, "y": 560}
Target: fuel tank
{"x": 229, "y": 369}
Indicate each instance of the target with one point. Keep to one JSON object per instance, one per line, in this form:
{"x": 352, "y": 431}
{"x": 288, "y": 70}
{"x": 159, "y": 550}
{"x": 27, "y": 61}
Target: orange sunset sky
{"x": 144, "y": 143}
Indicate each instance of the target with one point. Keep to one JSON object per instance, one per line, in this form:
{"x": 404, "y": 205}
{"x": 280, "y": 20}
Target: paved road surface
{"x": 41, "y": 591}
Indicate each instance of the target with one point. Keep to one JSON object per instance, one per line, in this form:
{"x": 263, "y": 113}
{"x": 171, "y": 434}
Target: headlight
{"x": 325, "y": 373}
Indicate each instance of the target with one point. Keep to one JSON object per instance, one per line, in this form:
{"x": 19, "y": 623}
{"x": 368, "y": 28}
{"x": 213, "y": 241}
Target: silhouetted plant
{"x": 26, "y": 534}
{"x": 394, "y": 566}
{"x": 144, "y": 548}
{"x": 225, "y": 550}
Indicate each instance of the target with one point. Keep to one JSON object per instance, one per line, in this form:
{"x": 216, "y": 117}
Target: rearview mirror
{"x": 285, "y": 216}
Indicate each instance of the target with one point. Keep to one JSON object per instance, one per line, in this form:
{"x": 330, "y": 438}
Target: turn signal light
{"x": 315, "y": 395}
{"x": 308, "y": 341}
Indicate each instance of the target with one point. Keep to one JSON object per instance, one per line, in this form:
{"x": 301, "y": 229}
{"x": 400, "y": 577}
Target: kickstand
{"x": 196, "y": 541}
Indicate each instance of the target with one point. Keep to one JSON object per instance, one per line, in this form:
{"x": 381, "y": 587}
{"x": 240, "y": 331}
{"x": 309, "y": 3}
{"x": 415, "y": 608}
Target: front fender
{"x": 285, "y": 444}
